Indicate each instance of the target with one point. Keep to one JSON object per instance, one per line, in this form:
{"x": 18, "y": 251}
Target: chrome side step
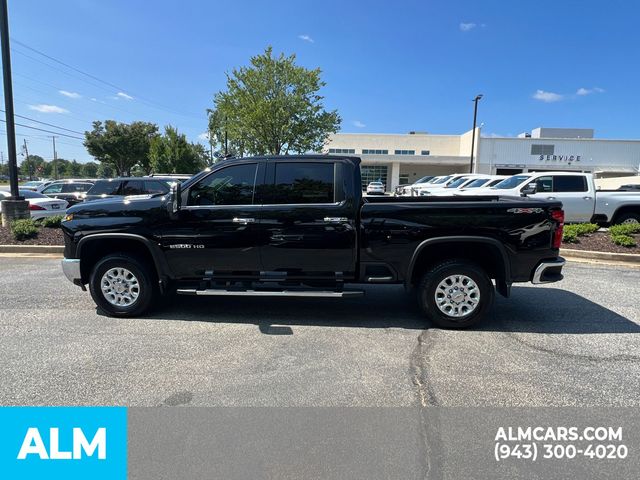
{"x": 272, "y": 293}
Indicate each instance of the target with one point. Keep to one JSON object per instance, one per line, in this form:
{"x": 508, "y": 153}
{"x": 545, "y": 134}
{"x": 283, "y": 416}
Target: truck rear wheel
{"x": 629, "y": 217}
{"x": 122, "y": 286}
{"x": 455, "y": 294}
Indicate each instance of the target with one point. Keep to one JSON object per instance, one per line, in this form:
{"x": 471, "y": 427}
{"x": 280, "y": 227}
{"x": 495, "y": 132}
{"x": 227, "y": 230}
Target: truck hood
{"x": 119, "y": 206}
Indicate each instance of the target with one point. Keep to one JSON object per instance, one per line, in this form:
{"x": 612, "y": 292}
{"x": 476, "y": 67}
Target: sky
{"x": 389, "y": 66}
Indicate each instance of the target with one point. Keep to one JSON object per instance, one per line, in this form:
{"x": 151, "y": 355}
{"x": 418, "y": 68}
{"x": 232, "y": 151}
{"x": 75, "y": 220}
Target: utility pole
{"x": 55, "y": 157}
{"x": 15, "y": 206}
{"x": 26, "y": 158}
{"x": 473, "y": 132}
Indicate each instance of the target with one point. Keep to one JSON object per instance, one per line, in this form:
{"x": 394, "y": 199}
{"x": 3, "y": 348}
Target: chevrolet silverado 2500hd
{"x": 299, "y": 226}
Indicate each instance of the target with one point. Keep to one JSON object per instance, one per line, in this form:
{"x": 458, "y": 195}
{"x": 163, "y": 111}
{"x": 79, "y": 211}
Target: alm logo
{"x": 34, "y": 445}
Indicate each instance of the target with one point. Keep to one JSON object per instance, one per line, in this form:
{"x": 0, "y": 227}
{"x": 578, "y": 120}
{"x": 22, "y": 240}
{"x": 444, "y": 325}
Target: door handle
{"x": 336, "y": 219}
{"x": 587, "y": 198}
{"x": 243, "y": 221}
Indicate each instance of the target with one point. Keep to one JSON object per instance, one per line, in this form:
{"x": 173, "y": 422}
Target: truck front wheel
{"x": 122, "y": 286}
{"x": 455, "y": 294}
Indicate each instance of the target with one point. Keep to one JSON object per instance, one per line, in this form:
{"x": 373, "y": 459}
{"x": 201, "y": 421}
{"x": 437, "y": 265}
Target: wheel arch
{"x": 94, "y": 247}
{"x": 487, "y": 252}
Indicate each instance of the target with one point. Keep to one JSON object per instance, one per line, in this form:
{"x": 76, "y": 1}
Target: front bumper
{"x": 71, "y": 270}
{"x": 549, "y": 271}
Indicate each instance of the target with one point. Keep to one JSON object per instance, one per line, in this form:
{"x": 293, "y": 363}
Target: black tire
{"x": 629, "y": 217}
{"x": 483, "y": 291}
{"x": 147, "y": 288}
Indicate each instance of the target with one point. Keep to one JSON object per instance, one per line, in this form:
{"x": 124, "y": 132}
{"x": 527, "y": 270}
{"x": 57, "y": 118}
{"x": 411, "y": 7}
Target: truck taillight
{"x": 558, "y": 216}
{"x": 35, "y": 207}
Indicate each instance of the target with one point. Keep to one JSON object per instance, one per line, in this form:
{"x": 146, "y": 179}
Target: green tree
{"x": 172, "y": 153}
{"x": 272, "y": 107}
{"x": 90, "y": 170}
{"x": 121, "y": 145}
{"x": 33, "y": 166}
{"x": 105, "y": 171}
{"x": 72, "y": 169}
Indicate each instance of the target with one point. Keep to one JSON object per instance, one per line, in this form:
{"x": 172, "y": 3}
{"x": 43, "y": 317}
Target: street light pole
{"x": 15, "y": 206}
{"x": 473, "y": 132}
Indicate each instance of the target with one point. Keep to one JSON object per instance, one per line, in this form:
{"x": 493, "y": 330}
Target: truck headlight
{"x": 68, "y": 217}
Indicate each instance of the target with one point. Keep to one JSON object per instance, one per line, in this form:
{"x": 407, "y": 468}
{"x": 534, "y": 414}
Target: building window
{"x": 425, "y": 152}
{"x": 405, "y": 152}
{"x": 403, "y": 179}
{"x": 369, "y": 151}
{"x": 542, "y": 149}
{"x": 342, "y": 150}
{"x": 373, "y": 173}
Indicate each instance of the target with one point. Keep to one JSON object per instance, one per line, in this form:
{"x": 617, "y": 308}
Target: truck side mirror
{"x": 530, "y": 189}
{"x": 176, "y": 198}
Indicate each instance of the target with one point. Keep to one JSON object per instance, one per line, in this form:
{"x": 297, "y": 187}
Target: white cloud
{"x": 42, "y": 108}
{"x": 123, "y": 95}
{"x": 588, "y": 91}
{"x": 358, "y": 124}
{"x": 69, "y": 94}
{"x": 306, "y": 38}
{"x": 204, "y": 136}
{"x": 547, "y": 97}
{"x": 465, "y": 27}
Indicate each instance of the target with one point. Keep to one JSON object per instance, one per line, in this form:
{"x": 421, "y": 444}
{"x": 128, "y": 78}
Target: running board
{"x": 272, "y": 293}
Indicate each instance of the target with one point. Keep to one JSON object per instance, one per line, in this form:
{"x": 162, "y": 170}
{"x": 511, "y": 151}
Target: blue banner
{"x": 63, "y": 442}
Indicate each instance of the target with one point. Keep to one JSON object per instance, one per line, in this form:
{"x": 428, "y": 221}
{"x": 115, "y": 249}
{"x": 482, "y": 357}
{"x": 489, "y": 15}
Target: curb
{"x": 37, "y": 249}
{"x": 605, "y": 257}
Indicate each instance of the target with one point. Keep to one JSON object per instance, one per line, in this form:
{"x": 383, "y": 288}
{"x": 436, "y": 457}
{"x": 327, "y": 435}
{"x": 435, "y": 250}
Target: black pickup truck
{"x": 299, "y": 226}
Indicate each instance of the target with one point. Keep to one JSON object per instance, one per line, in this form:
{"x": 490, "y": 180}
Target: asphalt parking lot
{"x": 575, "y": 343}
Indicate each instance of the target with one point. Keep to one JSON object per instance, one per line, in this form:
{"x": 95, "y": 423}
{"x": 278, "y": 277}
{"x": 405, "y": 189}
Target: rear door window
{"x": 132, "y": 187}
{"x": 104, "y": 187}
{"x": 75, "y": 187}
{"x": 569, "y": 183}
{"x": 155, "y": 186}
{"x": 303, "y": 183}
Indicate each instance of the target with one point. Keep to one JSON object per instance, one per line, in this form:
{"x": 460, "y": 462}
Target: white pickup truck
{"x": 577, "y": 192}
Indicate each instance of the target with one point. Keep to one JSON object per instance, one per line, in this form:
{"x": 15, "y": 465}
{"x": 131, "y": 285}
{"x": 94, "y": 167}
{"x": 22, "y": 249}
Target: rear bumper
{"x": 71, "y": 270}
{"x": 548, "y": 271}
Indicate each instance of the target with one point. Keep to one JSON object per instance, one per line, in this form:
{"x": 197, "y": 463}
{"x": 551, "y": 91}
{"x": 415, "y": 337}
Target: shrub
{"x": 623, "y": 240}
{"x": 52, "y": 222}
{"x": 569, "y": 236}
{"x": 624, "y": 229}
{"x": 573, "y": 231}
{"x": 23, "y": 229}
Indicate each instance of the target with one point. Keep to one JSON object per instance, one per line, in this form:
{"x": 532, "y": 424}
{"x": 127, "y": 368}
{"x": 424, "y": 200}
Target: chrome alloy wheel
{"x": 120, "y": 287}
{"x": 457, "y": 296}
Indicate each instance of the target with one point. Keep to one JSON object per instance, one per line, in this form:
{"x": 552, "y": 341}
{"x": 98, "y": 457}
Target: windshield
{"x": 511, "y": 182}
{"x": 426, "y": 179}
{"x": 442, "y": 179}
{"x": 457, "y": 182}
{"x": 478, "y": 182}
{"x": 33, "y": 183}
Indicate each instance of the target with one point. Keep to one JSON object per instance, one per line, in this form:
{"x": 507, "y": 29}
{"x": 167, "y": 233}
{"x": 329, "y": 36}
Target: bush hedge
{"x": 571, "y": 232}
{"x": 52, "y": 222}
{"x": 24, "y": 229}
{"x": 621, "y": 234}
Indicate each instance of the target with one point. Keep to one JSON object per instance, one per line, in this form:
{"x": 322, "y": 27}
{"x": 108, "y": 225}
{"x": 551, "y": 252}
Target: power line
{"x": 43, "y": 130}
{"x": 105, "y": 82}
{"x": 47, "y": 124}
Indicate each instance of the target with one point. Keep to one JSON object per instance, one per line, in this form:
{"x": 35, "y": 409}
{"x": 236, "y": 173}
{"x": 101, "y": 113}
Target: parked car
{"x": 299, "y": 226}
{"x": 126, "y": 186}
{"x": 463, "y": 184}
{"x": 70, "y": 190}
{"x": 429, "y": 188}
{"x": 40, "y": 206}
{"x": 577, "y": 192}
{"x": 375, "y": 188}
{"x": 34, "y": 184}
{"x": 406, "y": 189}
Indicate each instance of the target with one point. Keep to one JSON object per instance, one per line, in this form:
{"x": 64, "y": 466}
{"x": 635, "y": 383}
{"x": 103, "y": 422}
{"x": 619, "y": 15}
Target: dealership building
{"x": 398, "y": 159}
